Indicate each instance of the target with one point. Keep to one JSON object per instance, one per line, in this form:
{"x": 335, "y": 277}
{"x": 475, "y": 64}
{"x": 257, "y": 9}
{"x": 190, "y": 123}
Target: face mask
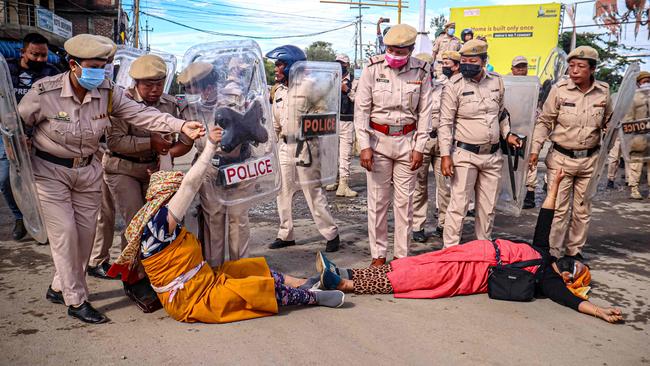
{"x": 35, "y": 65}
{"x": 645, "y": 86}
{"x": 451, "y": 31}
{"x": 91, "y": 78}
{"x": 344, "y": 70}
{"x": 395, "y": 62}
{"x": 470, "y": 70}
{"x": 447, "y": 71}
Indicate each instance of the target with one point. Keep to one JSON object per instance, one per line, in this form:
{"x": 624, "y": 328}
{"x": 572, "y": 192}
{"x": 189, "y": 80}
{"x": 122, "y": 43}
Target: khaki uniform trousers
{"x": 578, "y": 172}
{"x": 105, "y": 228}
{"x": 346, "y": 140}
{"x": 314, "y": 194}
{"x": 635, "y": 170}
{"x": 222, "y": 226}
{"x": 421, "y": 195}
{"x": 478, "y": 174}
{"x": 70, "y": 200}
{"x": 613, "y": 160}
{"x": 391, "y": 162}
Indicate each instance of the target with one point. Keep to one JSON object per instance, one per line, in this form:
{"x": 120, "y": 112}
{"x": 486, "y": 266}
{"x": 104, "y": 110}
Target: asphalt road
{"x": 369, "y": 329}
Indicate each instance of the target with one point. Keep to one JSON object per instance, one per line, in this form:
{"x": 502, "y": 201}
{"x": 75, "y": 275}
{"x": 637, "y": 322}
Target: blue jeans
{"x": 5, "y": 185}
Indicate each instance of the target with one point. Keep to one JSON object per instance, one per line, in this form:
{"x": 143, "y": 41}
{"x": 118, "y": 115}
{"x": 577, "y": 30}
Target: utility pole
{"x": 365, "y": 4}
{"x": 146, "y": 32}
{"x": 358, "y": 39}
{"x": 136, "y": 20}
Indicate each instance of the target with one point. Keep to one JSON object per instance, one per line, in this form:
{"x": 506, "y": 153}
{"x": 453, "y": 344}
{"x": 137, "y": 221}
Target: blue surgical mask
{"x": 91, "y": 78}
{"x": 451, "y": 31}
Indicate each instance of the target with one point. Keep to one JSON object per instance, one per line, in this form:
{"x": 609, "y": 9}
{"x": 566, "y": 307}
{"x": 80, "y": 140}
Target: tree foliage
{"x": 320, "y": 51}
{"x": 437, "y": 24}
{"x": 269, "y": 67}
{"x": 612, "y": 64}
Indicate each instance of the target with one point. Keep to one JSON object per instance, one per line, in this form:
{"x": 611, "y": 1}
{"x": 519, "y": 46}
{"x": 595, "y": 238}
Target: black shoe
{"x": 19, "y": 230}
{"x": 55, "y": 297}
{"x": 101, "y": 271}
{"x": 529, "y": 201}
{"x": 419, "y": 236}
{"x": 143, "y": 295}
{"x": 333, "y": 245}
{"x": 610, "y": 184}
{"x": 279, "y": 243}
{"x": 471, "y": 213}
{"x": 87, "y": 314}
{"x": 439, "y": 231}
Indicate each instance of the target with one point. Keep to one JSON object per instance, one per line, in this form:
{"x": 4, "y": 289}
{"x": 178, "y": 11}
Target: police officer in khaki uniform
{"x": 221, "y": 227}
{"x": 346, "y": 131}
{"x": 392, "y": 116}
{"x": 285, "y": 57}
{"x": 446, "y": 41}
{"x": 472, "y": 120}
{"x": 573, "y": 116}
{"x": 133, "y": 154}
{"x": 450, "y": 67}
{"x": 639, "y": 144}
{"x": 68, "y": 114}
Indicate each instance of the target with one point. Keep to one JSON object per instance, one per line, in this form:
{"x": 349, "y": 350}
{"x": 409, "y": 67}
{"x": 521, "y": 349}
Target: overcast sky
{"x": 297, "y": 17}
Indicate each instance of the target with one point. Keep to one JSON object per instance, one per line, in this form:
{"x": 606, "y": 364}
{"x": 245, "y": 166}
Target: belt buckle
{"x": 579, "y": 154}
{"x": 395, "y": 130}
{"x": 79, "y": 162}
{"x": 484, "y": 149}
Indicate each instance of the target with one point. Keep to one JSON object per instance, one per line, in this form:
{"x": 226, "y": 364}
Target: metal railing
{"x": 18, "y": 13}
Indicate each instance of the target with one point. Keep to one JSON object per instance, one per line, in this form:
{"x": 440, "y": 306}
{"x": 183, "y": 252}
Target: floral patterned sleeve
{"x": 155, "y": 237}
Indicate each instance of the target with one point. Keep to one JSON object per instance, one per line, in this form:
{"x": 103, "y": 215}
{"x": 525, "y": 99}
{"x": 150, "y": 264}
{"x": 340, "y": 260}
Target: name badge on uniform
{"x": 495, "y": 90}
{"x": 568, "y": 104}
{"x": 278, "y": 100}
{"x": 382, "y": 80}
{"x": 600, "y": 105}
{"x": 468, "y": 93}
{"x": 62, "y": 116}
{"x": 101, "y": 116}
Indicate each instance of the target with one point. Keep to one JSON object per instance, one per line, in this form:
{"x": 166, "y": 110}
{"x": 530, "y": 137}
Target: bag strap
{"x": 522, "y": 264}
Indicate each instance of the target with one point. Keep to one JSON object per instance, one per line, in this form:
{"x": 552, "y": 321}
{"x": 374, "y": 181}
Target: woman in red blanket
{"x": 463, "y": 270}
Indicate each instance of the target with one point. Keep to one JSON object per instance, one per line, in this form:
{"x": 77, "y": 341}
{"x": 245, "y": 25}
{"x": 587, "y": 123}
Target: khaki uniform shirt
{"x": 443, "y": 43}
{"x": 126, "y": 139}
{"x": 573, "y": 119}
{"x": 470, "y": 111}
{"x": 436, "y": 101}
{"x": 280, "y": 110}
{"x": 640, "y": 106}
{"x": 393, "y": 97}
{"x": 66, "y": 127}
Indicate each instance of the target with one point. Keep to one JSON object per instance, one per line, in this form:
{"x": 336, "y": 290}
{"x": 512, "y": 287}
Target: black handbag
{"x": 511, "y": 282}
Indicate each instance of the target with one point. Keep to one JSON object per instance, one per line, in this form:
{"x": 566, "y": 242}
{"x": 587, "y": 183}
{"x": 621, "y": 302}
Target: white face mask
{"x": 645, "y": 86}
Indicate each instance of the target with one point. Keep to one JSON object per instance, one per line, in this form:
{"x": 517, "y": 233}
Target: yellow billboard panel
{"x": 513, "y": 30}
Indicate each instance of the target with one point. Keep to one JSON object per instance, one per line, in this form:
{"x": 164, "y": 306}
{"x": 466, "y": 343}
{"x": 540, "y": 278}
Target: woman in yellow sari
{"x": 188, "y": 288}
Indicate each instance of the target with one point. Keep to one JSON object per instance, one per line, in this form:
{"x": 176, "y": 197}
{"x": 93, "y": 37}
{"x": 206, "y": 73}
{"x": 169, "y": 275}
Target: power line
{"x": 266, "y": 11}
{"x": 245, "y": 36}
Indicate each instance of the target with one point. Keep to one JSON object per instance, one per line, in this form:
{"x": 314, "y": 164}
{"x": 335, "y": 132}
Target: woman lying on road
{"x": 188, "y": 288}
{"x": 463, "y": 270}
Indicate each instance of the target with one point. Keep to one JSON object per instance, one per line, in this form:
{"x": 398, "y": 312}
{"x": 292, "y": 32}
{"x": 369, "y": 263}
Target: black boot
{"x": 143, "y": 295}
{"x": 55, "y": 297}
{"x": 279, "y": 243}
{"x": 101, "y": 271}
{"x": 529, "y": 201}
{"x": 419, "y": 236}
{"x": 610, "y": 184}
{"x": 87, "y": 314}
{"x": 19, "y": 231}
{"x": 333, "y": 245}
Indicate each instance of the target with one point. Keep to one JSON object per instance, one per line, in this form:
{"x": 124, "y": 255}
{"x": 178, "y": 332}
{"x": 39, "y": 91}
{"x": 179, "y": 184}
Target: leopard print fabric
{"x": 372, "y": 280}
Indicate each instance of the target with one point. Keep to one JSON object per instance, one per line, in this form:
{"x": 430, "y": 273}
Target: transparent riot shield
{"x": 520, "y": 99}
{"x": 621, "y": 105}
{"x": 553, "y": 70}
{"x": 21, "y": 173}
{"x": 226, "y": 86}
{"x": 125, "y": 56}
{"x": 312, "y": 127}
{"x": 635, "y": 129}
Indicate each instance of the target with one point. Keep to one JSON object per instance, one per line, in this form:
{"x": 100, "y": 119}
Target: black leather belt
{"x": 133, "y": 159}
{"x": 433, "y": 134}
{"x": 66, "y": 162}
{"x": 485, "y": 149}
{"x": 576, "y": 154}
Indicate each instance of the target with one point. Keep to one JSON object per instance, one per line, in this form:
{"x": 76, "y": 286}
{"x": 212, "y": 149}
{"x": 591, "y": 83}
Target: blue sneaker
{"x": 324, "y": 264}
{"x": 329, "y": 280}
